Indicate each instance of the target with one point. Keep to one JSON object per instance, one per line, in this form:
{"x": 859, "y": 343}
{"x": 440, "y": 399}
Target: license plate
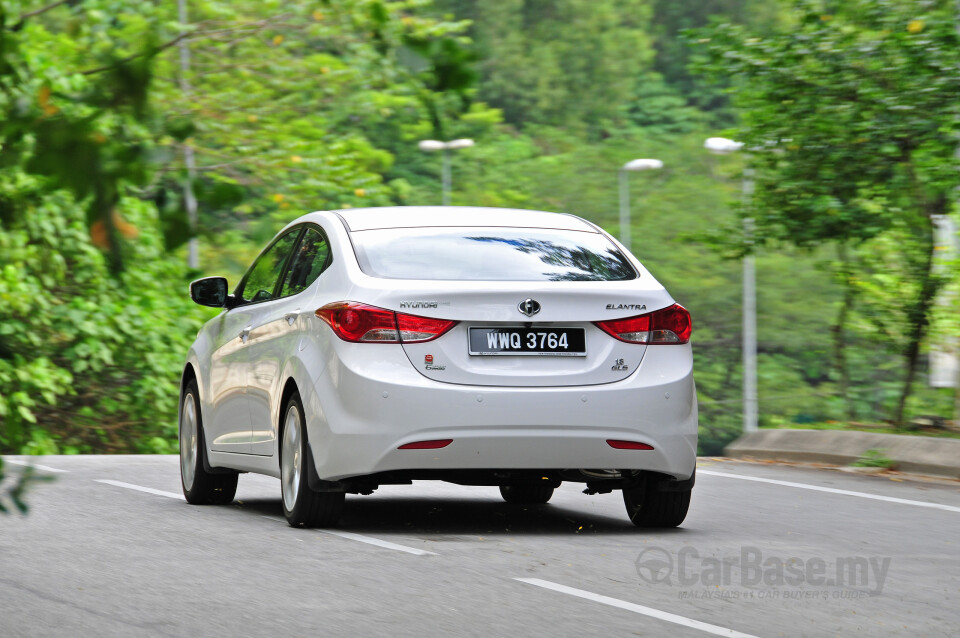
{"x": 556, "y": 342}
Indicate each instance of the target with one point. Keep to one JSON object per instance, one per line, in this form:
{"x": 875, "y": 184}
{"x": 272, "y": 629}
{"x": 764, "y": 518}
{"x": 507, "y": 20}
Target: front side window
{"x": 261, "y": 279}
{"x": 490, "y": 254}
{"x": 307, "y": 263}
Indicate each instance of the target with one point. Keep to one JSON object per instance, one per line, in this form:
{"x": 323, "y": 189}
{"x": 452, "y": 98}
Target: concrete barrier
{"x": 917, "y": 454}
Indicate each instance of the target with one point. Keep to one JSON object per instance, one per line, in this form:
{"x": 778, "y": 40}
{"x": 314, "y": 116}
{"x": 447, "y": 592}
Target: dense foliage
{"x": 852, "y": 125}
{"x": 296, "y": 106}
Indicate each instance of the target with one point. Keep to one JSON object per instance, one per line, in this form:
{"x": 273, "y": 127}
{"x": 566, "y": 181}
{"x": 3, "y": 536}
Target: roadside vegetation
{"x": 875, "y": 458}
{"x": 297, "y": 106}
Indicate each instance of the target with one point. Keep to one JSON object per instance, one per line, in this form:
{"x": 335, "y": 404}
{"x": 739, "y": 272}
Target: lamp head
{"x": 643, "y": 165}
{"x": 431, "y": 145}
{"x": 722, "y": 146}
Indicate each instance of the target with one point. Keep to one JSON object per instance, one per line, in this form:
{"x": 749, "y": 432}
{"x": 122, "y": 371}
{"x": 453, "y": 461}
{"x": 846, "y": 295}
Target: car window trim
{"x": 286, "y": 270}
{"x": 238, "y": 292}
{"x": 278, "y": 285}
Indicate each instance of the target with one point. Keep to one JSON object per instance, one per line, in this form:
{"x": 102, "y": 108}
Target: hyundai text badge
{"x": 529, "y": 307}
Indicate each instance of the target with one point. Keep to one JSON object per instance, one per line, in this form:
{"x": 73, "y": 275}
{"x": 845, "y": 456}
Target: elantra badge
{"x": 529, "y": 307}
{"x": 626, "y": 306}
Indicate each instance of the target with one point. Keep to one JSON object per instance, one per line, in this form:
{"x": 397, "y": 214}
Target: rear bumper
{"x": 358, "y": 415}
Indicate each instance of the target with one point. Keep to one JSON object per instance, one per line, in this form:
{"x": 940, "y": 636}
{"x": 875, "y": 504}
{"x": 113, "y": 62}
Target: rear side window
{"x": 490, "y": 254}
{"x": 307, "y": 263}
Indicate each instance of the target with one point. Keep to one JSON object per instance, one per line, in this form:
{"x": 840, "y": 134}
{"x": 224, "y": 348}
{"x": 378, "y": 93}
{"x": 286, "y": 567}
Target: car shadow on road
{"x": 431, "y": 515}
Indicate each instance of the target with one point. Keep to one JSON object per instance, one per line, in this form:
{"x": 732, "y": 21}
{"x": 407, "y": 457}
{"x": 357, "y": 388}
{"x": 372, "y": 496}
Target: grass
{"x": 874, "y": 458}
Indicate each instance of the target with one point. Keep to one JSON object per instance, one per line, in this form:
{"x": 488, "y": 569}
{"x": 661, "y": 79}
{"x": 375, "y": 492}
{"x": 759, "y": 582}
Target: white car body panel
{"x": 228, "y": 424}
{"x": 363, "y": 400}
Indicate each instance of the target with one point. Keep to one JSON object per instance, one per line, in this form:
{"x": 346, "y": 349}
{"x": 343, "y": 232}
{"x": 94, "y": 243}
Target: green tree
{"x": 673, "y": 53}
{"x": 94, "y": 322}
{"x": 571, "y": 63}
{"x": 299, "y": 106}
{"x": 850, "y": 122}
{"x": 74, "y": 109}
{"x": 90, "y": 340}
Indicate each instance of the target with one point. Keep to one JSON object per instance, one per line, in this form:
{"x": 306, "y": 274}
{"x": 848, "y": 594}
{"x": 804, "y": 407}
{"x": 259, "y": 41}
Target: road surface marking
{"x": 366, "y": 539}
{"x": 45, "y": 468}
{"x": 637, "y": 609}
{"x": 140, "y": 488}
{"x": 832, "y": 490}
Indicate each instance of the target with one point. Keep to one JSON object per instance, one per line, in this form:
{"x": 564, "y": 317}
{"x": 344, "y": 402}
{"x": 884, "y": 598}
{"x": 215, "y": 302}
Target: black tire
{"x": 526, "y": 494}
{"x": 200, "y": 487}
{"x": 302, "y": 506}
{"x": 648, "y": 507}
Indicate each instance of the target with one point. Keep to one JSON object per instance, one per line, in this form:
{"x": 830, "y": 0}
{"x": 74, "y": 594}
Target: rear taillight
{"x": 360, "y": 323}
{"x": 415, "y": 329}
{"x": 670, "y": 325}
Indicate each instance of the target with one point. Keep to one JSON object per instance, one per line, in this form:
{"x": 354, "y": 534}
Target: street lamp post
{"x": 446, "y": 147}
{"x": 631, "y": 166}
{"x": 945, "y": 352}
{"x": 723, "y": 146}
{"x": 189, "y": 198}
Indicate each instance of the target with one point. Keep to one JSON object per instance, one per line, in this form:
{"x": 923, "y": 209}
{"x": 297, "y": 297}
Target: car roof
{"x": 358, "y": 219}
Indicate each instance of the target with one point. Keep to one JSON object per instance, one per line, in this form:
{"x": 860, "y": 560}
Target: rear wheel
{"x": 200, "y": 487}
{"x": 302, "y": 506}
{"x": 648, "y": 506}
{"x": 526, "y": 494}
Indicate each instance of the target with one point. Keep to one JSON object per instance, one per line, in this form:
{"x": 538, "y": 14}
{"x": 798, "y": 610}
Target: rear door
{"x": 275, "y": 333}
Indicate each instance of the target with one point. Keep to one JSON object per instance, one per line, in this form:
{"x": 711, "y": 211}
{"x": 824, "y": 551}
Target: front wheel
{"x": 302, "y": 507}
{"x": 648, "y": 506}
{"x": 200, "y": 487}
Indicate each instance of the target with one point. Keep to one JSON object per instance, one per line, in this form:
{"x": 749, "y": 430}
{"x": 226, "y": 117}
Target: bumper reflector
{"x": 628, "y": 445}
{"x": 426, "y": 445}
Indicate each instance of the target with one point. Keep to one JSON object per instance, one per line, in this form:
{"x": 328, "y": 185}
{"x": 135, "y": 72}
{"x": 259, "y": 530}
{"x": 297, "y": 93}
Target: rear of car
{"x": 500, "y": 348}
{"x": 479, "y": 346}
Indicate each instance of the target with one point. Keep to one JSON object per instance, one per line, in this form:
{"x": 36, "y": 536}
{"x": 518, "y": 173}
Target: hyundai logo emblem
{"x": 529, "y": 307}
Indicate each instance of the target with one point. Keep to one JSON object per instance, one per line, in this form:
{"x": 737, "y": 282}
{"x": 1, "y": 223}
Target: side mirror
{"x": 209, "y": 291}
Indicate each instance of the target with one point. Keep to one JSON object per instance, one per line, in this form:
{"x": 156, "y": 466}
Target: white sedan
{"x": 478, "y": 346}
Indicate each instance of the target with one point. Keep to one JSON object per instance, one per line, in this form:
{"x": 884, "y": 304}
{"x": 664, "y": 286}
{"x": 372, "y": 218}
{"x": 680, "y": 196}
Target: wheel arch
{"x": 193, "y": 370}
{"x": 189, "y": 374}
{"x": 289, "y": 387}
{"x": 313, "y": 477}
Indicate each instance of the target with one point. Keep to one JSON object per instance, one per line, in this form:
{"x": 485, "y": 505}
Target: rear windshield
{"x": 490, "y": 254}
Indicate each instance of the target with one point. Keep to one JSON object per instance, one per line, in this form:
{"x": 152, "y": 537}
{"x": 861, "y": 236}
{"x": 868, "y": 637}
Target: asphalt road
{"x": 99, "y": 556}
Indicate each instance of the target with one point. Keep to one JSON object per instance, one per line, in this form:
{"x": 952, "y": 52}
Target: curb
{"x": 914, "y": 454}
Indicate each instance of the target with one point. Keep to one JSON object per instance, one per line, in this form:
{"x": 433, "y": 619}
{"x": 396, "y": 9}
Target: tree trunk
{"x": 838, "y": 330}
{"x": 918, "y": 315}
